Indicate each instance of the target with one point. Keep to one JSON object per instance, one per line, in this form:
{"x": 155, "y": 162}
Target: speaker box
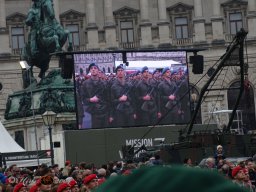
{"x": 66, "y": 63}
{"x": 56, "y": 144}
{"x": 198, "y": 64}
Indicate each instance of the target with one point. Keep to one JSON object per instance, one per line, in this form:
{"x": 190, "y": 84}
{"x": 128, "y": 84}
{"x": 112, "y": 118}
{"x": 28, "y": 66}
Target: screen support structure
{"x": 237, "y": 43}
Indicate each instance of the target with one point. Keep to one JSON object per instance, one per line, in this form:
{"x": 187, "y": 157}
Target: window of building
{"x": 127, "y": 35}
{"x": 127, "y": 27}
{"x": 74, "y": 31}
{"x": 18, "y": 39}
{"x": 73, "y": 21}
{"x": 181, "y": 27}
{"x": 181, "y": 24}
{"x": 234, "y": 17}
{"x": 102, "y": 38}
{"x": 19, "y": 138}
{"x": 236, "y": 22}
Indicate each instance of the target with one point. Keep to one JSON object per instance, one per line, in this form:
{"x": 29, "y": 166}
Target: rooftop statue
{"x": 46, "y": 36}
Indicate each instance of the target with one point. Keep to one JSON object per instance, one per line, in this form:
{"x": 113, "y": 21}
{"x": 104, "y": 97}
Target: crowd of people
{"x": 136, "y": 99}
{"x": 86, "y": 177}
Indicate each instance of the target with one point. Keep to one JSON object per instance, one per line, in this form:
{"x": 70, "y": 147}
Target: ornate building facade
{"x": 119, "y": 24}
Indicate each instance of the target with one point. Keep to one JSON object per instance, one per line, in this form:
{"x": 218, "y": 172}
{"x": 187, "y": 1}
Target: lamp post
{"x": 49, "y": 118}
{"x": 24, "y": 66}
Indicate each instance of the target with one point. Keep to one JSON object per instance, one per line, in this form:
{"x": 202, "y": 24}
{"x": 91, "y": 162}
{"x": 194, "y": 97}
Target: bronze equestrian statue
{"x": 46, "y": 36}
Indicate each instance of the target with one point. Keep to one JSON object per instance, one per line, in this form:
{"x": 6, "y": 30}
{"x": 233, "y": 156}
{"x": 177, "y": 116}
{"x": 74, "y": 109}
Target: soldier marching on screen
{"x": 95, "y": 98}
{"x": 146, "y": 96}
{"x": 122, "y": 97}
{"x": 168, "y": 98}
{"x": 183, "y": 97}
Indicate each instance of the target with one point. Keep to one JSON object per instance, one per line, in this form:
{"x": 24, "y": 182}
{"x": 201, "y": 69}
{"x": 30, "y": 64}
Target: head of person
{"x": 238, "y": 173}
{"x": 73, "y": 186}
{"x": 56, "y": 168}
{"x": 210, "y": 162}
{"x": 166, "y": 73}
{"x": 156, "y": 73}
{"x": 120, "y": 71}
{"x": 93, "y": 69}
{"x": 219, "y": 149}
{"x": 46, "y": 183}
{"x": 91, "y": 181}
{"x": 145, "y": 72}
{"x": 63, "y": 187}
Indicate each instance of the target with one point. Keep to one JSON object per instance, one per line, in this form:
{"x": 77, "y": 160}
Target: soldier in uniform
{"x": 168, "y": 102}
{"x": 94, "y": 96}
{"x": 122, "y": 100}
{"x": 146, "y": 97}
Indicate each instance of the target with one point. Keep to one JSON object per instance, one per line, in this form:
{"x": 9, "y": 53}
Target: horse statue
{"x": 46, "y": 36}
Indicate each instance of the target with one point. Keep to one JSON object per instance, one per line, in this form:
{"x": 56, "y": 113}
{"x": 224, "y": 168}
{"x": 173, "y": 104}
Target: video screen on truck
{"x": 131, "y": 89}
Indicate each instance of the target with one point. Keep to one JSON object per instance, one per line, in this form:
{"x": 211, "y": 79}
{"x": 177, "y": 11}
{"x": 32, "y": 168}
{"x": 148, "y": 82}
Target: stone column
{"x": 162, "y": 10}
{"x": 4, "y": 36}
{"x": 57, "y": 9}
{"x": 199, "y": 23}
{"x": 110, "y": 28}
{"x": 198, "y": 8}
{"x": 145, "y": 25}
{"x": 251, "y": 18}
{"x": 108, "y": 11}
{"x": 2, "y": 14}
{"x": 251, "y": 5}
{"x": 217, "y": 23}
{"x": 163, "y": 24}
{"x": 91, "y": 12}
{"x": 144, "y": 10}
{"x": 92, "y": 29}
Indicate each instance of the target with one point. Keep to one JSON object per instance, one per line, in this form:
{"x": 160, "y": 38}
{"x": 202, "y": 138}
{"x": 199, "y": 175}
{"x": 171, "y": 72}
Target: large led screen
{"x": 131, "y": 89}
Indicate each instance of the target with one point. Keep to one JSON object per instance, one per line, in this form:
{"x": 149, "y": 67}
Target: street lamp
{"x": 25, "y": 67}
{"x": 49, "y": 118}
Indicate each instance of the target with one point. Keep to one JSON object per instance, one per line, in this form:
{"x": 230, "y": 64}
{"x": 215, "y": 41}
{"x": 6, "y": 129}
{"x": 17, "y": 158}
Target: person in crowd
{"x": 210, "y": 163}
{"x": 250, "y": 165}
{"x": 101, "y": 174}
{"x": 219, "y": 154}
{"x": 74, "y": 186}
{"x": 188, "y": 162}
{"x": 77, "y": 176}
{"x": 90, "y": 182}
{"x": 56, "y": 169}
{"x": 66, "y": 169}
{"x": 95, "y": 98}
{"x": 239, "y": 176}
{"x": 63, "y": 187}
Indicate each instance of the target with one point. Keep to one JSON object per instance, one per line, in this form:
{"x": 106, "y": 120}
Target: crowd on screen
{"x": 87, "y": 177}
{"x": 140, "y": 98}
